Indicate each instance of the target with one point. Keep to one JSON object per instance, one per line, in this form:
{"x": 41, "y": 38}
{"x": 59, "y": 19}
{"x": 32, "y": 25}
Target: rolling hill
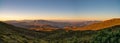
{"x": 12, "y": 34}
{"x": 99, "y": 25}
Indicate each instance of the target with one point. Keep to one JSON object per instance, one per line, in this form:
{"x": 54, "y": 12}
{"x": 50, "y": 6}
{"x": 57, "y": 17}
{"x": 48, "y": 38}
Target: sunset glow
{"x": 59, "y": 10}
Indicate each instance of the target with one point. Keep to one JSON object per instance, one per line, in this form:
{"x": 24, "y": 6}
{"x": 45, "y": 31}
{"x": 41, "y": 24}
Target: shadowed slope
{"x": 12, "y": 34}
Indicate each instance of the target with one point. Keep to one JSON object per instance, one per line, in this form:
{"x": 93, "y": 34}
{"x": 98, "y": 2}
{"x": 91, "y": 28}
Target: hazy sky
{"x": 59, "y": 9}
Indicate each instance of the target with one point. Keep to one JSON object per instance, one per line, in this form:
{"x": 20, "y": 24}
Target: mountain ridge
{"x": 100, "y": 25}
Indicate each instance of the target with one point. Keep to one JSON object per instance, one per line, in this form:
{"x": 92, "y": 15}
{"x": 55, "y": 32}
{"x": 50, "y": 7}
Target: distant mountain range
{"x": 52, "y": 25}
{"x": 48, "y": 25}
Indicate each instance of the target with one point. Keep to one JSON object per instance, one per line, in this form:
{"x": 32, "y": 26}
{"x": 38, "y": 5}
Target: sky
{"x": 59, "y": 9}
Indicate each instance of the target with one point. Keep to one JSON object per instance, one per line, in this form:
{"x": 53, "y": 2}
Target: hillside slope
{"x": 107, "y": 35}
{"x": 100, "y": 25}
{"x": 12, "y": 34}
